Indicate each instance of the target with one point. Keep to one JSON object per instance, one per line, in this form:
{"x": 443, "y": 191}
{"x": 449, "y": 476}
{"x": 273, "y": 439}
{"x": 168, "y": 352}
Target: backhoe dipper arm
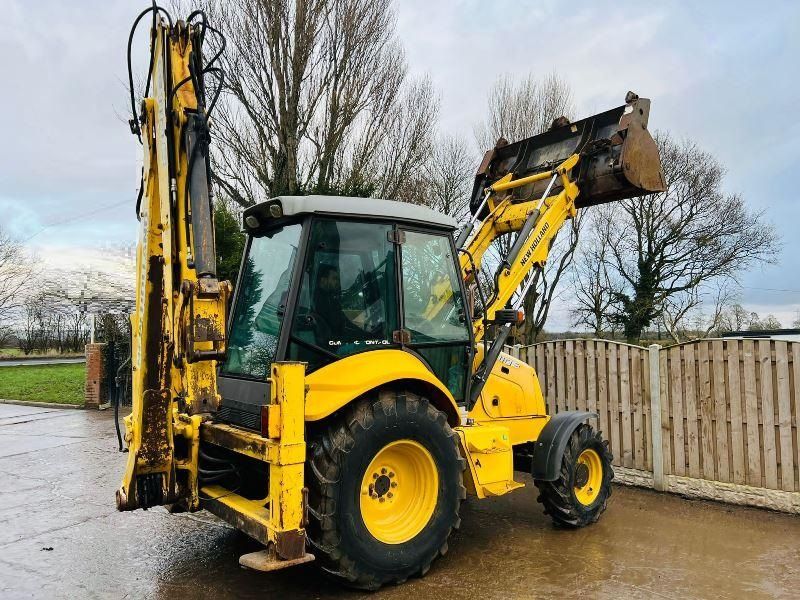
{"x": 179, "y": 323}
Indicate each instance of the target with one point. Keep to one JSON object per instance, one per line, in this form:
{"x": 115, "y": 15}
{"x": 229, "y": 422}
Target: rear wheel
{"x": 385, "y": 486}
{"x": 580, "y": 494}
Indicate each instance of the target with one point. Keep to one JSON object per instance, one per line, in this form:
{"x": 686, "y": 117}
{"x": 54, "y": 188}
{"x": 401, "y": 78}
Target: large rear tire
{"x": 385, "y": 483}
{"x": 580, "y": 494}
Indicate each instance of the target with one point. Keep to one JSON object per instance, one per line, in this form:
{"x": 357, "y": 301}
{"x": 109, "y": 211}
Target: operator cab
{"x": 325, "y": 277}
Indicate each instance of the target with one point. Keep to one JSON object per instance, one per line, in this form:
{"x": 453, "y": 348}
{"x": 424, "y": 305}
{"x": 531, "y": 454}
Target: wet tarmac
{"x": 60, "y": 537}
{"x": 33, "y": 362}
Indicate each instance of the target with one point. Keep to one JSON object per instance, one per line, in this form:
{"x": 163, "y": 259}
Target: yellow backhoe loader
{"x": 359, "y": 390}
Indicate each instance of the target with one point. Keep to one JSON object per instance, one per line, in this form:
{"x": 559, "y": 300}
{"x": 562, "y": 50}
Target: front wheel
{"x": 580, "y": 494}
{"x": 385, "y": 486}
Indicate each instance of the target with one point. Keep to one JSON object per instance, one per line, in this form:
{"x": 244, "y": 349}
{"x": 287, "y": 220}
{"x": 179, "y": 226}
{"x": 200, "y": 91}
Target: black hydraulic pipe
{"x": 213, "y": 459}
{"x": 462, "y": 237}
{"x": 483, "y": 372}
{"x": 522, "y": 237}
{"x": 197, "y": 139}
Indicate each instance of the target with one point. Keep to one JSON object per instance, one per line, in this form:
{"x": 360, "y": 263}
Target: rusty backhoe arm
{"x": 179, "y": 323}
{"x": 532, "y": 187}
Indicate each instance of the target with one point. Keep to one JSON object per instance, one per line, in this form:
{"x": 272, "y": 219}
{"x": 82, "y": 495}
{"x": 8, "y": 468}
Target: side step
{"x": 253, "y": 518}
{"x": 249, "y": 516}
{"x": 266, "y": 560}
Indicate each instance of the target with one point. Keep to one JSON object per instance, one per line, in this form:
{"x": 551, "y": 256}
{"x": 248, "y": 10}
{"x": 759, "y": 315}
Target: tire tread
{"x": 557, "y": 496}
{"x": 326, "y": 456}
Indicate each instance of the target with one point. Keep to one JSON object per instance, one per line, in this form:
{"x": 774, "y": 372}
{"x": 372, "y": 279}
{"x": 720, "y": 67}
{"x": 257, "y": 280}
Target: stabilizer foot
{"x": 265, "y": 560}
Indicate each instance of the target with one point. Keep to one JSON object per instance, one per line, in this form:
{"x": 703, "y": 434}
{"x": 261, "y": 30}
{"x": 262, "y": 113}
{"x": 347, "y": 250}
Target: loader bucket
{"x": 619, "y": 158}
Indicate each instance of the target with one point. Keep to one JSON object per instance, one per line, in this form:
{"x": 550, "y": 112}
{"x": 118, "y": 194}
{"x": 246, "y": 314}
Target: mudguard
{"x": 552, "y": 442}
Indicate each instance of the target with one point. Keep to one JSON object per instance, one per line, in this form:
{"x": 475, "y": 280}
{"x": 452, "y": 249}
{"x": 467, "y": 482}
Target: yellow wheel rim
{"x": 399, "y": 492}
{"x": 588, "y": 477}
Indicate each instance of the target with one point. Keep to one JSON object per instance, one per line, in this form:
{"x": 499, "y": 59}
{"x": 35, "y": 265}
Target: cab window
{"x": 433, "y": 308}
{"x": 261, "y": 303}
{"x": 432, "y": 304}
{"x": 347, "y": 299}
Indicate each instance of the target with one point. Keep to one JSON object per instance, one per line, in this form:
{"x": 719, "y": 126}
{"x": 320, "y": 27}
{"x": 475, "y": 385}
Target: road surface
{"x": 60, "y": 537}
{"x": 29, "y": 362}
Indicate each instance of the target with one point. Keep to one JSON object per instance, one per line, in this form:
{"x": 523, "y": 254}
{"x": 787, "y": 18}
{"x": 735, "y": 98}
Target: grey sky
{"x": 722, "y": 73}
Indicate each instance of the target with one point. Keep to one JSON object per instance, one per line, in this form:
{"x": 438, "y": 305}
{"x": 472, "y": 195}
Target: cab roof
{"x": 288, "y": 206}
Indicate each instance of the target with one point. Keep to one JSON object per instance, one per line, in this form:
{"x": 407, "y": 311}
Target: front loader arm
{"x": 179, "y": 323}
{"x": 532, "y": 187}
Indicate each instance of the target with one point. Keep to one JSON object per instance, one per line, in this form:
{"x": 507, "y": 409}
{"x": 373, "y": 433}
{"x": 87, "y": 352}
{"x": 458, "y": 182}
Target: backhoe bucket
{"x": 619, "y": 158}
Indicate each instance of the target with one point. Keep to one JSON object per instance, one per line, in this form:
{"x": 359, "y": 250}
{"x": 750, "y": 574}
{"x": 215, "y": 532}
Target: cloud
{"x": 714, "y": 74}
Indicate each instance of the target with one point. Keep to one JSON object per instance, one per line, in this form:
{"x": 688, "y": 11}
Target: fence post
{"x": 515, "y": 350}
{"x": 659, "y": 482}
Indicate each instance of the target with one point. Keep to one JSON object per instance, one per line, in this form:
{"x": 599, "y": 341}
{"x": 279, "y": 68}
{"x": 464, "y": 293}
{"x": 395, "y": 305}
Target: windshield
{"x": 261, "y": 302}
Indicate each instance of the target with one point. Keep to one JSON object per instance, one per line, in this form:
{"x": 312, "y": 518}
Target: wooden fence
{"x": 711, "y": 418}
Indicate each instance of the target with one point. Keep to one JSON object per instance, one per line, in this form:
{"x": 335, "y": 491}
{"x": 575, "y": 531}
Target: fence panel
{"x": 602, "y": 387}
{"x": 692, "y": 420}
{"x": 605, "y": 377}
{"x": 751, "y": 414}
{"x": 738, "y": 456}
{"x": 794, "y": 402}
{"x": 784, "y": 416}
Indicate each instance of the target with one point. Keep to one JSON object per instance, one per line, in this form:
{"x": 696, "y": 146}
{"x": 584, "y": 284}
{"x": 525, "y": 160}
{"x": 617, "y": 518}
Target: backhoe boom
{"x": 178, "y": 328}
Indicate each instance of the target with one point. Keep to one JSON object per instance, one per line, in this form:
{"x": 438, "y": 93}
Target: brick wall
{"x": 95, "y": 392}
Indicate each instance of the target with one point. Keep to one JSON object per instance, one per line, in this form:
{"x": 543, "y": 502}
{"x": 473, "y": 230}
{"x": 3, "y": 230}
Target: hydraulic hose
{"x": 117, "y": 380}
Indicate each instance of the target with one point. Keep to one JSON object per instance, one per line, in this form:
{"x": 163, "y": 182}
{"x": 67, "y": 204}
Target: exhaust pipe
{"x": 619, "y": 158}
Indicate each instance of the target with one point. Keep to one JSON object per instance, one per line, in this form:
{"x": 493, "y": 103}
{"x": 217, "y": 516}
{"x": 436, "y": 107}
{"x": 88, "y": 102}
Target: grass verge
{"x": 63, "y": 384}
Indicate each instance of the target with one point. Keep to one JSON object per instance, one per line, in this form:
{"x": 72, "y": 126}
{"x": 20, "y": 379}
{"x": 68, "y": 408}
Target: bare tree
{"x": 407, "y": 138}
{"x": 735, "y": 318}
{"x": 770, "y": 322}
{"x": 683, "y": 315}
{"x": 16, "y": 268}
{"x": 592, "y": 280}
{"x": 517, "y": 110}
{"x": 29, "y": 330}
{"x": 445, "y": 180}
{"x": 56, "y": 318}
{"x": 316, "y": 98}
{"x": 520, "y": 109}
{"x": 451, "y": 171}
{"x": 671, "y": 244}
{"x": 796, "y": 322}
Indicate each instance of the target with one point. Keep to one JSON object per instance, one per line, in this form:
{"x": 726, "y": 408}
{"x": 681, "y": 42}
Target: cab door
{"x": 434, "y": 314}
